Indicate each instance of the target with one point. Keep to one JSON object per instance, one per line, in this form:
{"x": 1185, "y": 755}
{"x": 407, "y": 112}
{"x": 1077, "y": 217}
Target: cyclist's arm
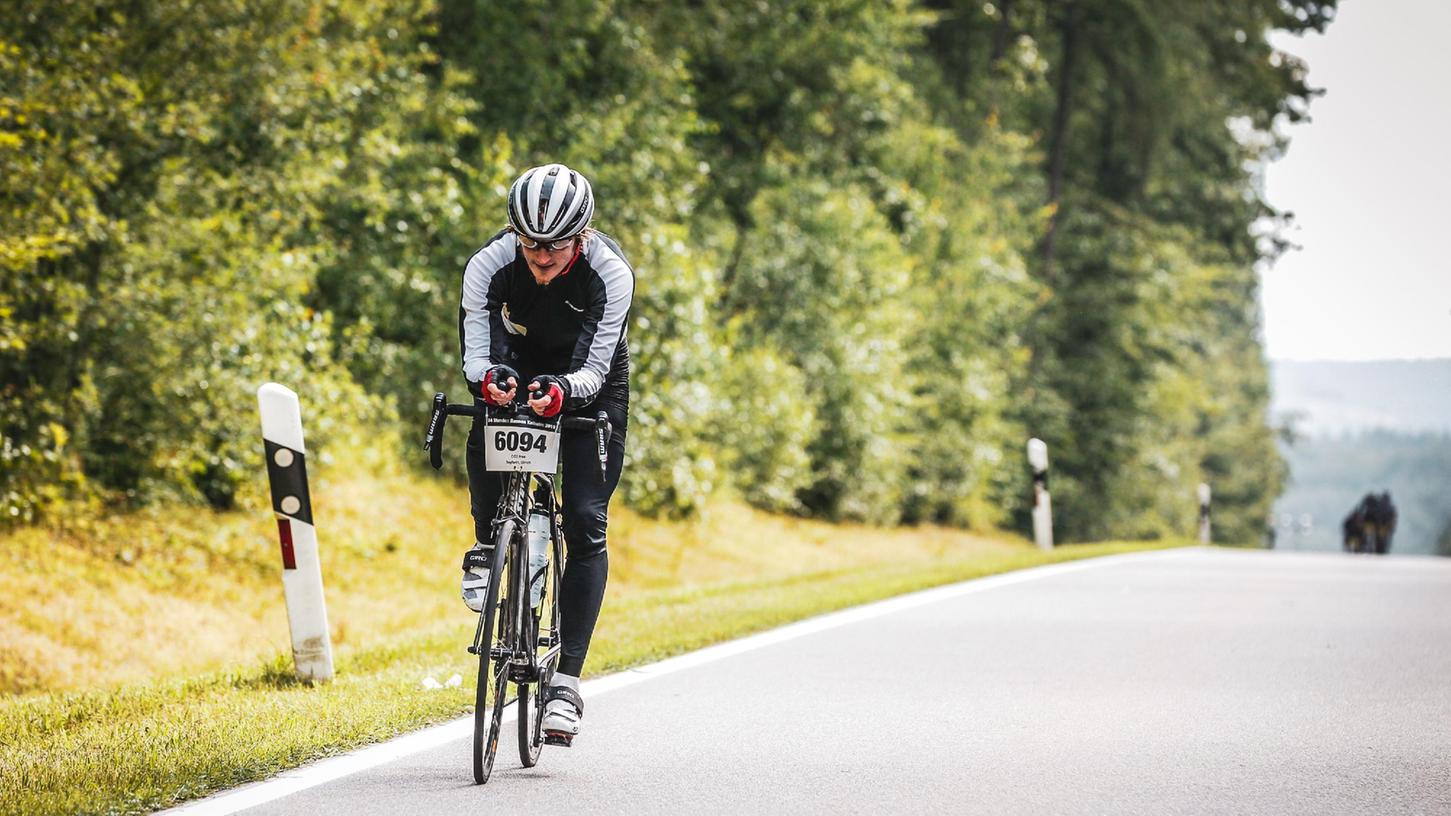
{"x": 604, "y": 324}
{"x": 483, "y": 338}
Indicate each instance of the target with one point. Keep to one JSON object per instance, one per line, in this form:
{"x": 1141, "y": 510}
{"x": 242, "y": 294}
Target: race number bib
{"x": 521, "y": 445}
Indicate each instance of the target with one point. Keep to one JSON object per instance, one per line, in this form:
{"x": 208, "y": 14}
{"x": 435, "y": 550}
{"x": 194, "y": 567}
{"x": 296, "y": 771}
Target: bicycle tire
{"x": 531, "y": 694}
{"x": 496, "y": 719}
{"x": 530, "y": 716}
{"x": 487, "y": 719}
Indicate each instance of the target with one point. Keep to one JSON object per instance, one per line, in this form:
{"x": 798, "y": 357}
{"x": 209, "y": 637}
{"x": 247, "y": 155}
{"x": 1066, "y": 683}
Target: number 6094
{"x": 520, "y": 441}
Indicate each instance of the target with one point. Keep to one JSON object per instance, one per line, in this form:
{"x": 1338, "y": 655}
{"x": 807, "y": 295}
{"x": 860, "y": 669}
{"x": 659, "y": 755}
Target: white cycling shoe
{"x": 475, "y": 586}
{"x": 563, "y": 709}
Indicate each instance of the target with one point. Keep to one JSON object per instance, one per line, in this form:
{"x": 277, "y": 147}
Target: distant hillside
{"x": 1334, "y": 397}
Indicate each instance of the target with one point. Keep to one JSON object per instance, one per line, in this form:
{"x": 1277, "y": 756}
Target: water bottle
{"x": 538, "y": 554}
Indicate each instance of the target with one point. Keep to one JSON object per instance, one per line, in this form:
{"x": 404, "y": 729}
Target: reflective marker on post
{"x": 312, "y": 650}
{"x": 1042, "y": 501}
{"x": 1204, "y": 496}
{"x": 284, "y": 535}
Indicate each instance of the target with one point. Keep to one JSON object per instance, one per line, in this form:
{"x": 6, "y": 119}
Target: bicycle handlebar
{"x": 442, "y": 410}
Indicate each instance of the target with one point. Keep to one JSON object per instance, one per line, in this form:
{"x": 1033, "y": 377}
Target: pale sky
{"x": 1368, "y": 181}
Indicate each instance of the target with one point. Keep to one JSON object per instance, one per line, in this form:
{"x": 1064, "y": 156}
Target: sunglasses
{"x": 553, "y": 246}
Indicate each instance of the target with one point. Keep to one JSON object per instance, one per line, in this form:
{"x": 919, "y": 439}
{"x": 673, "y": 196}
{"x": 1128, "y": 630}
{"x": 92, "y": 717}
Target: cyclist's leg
{"x": 586, "y": 502}
{"x": 484, "y": 487}
{"x": 484, "y": 491}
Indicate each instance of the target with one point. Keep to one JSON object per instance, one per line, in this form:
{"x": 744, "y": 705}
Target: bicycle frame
{"x": 522, "y": 493}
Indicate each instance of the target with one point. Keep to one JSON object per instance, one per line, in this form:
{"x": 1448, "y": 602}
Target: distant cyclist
{"x": 1382, "y": 517}
{"x": 545, "y": 303}
{"x": 1353, "y": 529}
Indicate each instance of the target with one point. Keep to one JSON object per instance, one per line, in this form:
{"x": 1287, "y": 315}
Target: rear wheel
{"x": 531, "y": 711}
{"x": 531, "y": 694}
{"x": 488, "y": 718}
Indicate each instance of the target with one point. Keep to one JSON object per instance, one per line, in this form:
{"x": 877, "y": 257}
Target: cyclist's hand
{"x": 547, "y": 395}
{"x": 500, "y": 383}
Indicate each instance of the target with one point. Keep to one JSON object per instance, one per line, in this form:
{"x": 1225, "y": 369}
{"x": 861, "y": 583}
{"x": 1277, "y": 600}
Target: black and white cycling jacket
{"x": 574, "y": 325}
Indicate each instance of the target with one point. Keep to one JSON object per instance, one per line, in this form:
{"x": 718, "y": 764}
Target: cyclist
{"x": 544, "y": 305}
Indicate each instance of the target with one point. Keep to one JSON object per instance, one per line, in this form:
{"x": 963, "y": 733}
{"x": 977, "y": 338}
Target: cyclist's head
{"x": 550, "y": 203}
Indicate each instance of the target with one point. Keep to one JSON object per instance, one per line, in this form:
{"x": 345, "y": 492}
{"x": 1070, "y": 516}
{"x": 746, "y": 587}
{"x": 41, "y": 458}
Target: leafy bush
{"x": 670, "y": 466}
{"x": 763, "y": 424}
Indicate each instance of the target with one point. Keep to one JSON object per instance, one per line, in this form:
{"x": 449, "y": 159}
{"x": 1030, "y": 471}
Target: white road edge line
{"x": 320, "y": 772}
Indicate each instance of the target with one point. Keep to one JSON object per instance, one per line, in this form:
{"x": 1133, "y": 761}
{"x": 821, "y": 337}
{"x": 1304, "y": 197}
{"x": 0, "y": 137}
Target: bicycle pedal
{"x": 558, "y": 738}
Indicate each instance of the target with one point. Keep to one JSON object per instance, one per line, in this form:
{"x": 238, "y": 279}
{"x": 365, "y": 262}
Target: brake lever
{"x": 434, "y": 440}
{"x": 602, "y": 430}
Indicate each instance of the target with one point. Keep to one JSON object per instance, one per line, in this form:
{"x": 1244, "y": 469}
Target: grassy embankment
{"x": 143, "y": 658}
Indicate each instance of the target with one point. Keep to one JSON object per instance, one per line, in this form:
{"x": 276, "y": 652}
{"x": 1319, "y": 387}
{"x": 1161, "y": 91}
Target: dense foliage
{"x": 878, "y": 245}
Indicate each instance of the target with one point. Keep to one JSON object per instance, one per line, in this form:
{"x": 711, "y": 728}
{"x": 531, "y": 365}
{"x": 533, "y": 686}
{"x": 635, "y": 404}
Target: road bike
{"x": 517, "y": 636}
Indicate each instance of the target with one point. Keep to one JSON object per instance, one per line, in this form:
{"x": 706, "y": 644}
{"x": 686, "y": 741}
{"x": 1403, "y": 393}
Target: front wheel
{"x": 488, "y": 718}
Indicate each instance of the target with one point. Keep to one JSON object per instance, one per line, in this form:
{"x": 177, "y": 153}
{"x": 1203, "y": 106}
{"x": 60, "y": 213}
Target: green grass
{"x": 184, "y": 723}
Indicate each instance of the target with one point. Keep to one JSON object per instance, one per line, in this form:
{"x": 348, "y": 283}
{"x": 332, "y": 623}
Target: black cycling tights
{"x": 586, "y": 513}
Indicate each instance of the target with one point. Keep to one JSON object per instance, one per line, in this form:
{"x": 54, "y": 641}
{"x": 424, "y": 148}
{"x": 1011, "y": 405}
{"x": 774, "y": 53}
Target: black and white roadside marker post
{"x": 1204, "y": 496}
{"x": 1042, "y": 502}
{"x": 312, "y": 650}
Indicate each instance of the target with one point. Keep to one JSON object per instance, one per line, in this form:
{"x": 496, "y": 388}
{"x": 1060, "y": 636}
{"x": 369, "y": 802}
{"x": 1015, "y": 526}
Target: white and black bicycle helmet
{"x": 550, "y": 202}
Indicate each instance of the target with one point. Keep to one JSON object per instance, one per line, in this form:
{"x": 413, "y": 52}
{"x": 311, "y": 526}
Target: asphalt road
{"x": 1200, "y": 681}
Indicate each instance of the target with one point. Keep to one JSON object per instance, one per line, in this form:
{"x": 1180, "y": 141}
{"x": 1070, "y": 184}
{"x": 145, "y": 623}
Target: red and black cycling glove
{"x": 497, "y": 376}
{"x": 555, "y": 388}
